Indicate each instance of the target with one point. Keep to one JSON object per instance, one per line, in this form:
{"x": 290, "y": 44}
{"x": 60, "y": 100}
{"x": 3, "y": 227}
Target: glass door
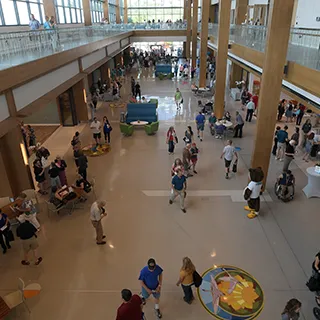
{"x": 67, "y": 109}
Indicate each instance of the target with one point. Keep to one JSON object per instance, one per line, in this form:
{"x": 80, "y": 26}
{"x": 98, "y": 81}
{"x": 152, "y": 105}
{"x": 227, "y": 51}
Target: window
{"x": 17, "y": 12}
{"x": 141, "y": 10}
{"x": 96, "y": 8}
{"x": 69, "y": 11}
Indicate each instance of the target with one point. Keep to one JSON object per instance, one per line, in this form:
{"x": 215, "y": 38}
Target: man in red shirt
{"x": 131, "y": 308}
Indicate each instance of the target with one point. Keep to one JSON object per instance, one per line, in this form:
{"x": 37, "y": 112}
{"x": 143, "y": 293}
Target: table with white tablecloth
{"x": 312, "y": 189}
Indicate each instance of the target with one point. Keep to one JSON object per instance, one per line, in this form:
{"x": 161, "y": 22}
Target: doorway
{"x": 67, "y": 109}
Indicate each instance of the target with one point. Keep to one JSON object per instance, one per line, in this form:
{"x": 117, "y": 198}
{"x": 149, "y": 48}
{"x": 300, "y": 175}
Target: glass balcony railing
{"x": 304, "y": 45}
{"x": 21, "y": 47}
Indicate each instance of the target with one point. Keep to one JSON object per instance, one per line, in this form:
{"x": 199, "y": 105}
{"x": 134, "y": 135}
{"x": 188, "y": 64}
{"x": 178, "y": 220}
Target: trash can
{"x": 122, "y": 117}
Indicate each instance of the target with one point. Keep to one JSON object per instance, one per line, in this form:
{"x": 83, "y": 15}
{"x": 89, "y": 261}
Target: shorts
{"x": 29, "y": 244}
{"x": 227, "y": 163}
{"x": 200, "y": 126}
{"x": 146, "y": 295}
{"x": 97, "y": 135}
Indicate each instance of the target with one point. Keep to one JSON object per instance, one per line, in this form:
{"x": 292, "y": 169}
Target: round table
{"x": 312, "y": 189}
{"x": 139, "y": 123}
{"x": 226, "y": 123}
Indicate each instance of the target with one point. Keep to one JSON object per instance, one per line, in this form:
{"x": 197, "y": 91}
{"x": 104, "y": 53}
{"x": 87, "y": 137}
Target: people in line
{"x": 171, "y": 139}
{"x": 97, "y": 213}
{"x": 82, "y": 164}
{"x": 282, "y": 137}
{"x": 96, "y": 130}
{"x": 178, "y": 188}
{"x": 281, "y": 109}
{"x": 4, "y": 232}
{"x": 200, "y": 121}
{"x": 32, "y": 136}
{"x": 39, "y": 176}
{"x": 61, "y": 165}
{"x": 106, "y": 129}
{"x": 75, "y": 142}
{"x": 131, "y": 307}
{"x": 228, "y": 154}
{"x": 151, "y": 278}
{"x": 239, "y": 125}
{"x": 27, "y": 233}
{"x": 289, "y": 154}
{"x": 82, "y": 186}
{"x": 186, "y": 279}
{"x": 250, "y": 110}
{"x": 54, "y": 175}
{"x": 291, "y": 310}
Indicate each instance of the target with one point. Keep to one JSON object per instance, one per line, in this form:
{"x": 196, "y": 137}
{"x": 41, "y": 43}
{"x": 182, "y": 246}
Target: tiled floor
{"x": 83, "y": 281}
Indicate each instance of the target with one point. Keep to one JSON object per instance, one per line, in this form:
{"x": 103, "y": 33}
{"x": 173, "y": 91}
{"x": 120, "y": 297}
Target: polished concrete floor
{"x": 81, "y": 280}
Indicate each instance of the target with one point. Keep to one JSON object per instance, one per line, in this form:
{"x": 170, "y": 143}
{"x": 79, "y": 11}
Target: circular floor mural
{"x": 230, "y": 293}
{"x": 96, "y": 150}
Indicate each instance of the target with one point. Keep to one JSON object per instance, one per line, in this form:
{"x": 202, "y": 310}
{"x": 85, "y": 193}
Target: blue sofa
{"x": 163, "y": 68}
{"x": 142, "y": 112}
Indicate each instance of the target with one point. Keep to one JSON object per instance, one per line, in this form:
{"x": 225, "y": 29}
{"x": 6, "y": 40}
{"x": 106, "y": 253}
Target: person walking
{"x": 178, "y": 188}
{"x": 171, "y": 139}
{"x": 82, "y": 164}
{"x": 289, "y": 154}
{"x": 228, "y": 153}
{"x": 178, "y": 98}
{"x": 4, "y": 232}
{"x": 239, "y": 125}
{"x": 186, "y": 279}
{"x": 291, "y": 310}
{"x": 188, "y": 135}
{"x": 133, "y": 87}
{"x": 200, "y": 121}
{"x": 106, "y": 129}
{"x": 308, "y": 147}
{"x": 137, "y": 90}
{"x": 186, "y": 159}
{"x": 177, "y": 165}
{"x": 97, "y": 212}
{"x": 96, "y": 130}
{"x": 194, "y": 156}
{"x": 282, "y": 137}
{"x": 275, "y": 141}
{"x": 27, "y": 233}
{"x": 131, "y": 307}
{"x": 151, "y": 282}
{"x": 250, "y": 110}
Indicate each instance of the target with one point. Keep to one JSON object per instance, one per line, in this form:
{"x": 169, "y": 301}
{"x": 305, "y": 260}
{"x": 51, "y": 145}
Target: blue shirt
{"x": 34, "y": 24}
{"x": 200, "y": 119}
{"x": 282, "y": 136}
{"x": 3, "y": 221}
{"x": 47, "y": 25}
{"x": 150, "y": 278}
{"x": 178, "y": 182}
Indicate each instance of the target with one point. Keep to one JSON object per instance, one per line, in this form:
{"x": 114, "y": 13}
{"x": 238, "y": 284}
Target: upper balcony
{"x": 303, "y": 49}
{"x": 21, "y": 47}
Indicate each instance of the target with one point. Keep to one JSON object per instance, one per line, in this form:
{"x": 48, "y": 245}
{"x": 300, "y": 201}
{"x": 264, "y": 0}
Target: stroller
{"x": 284, "y": 186}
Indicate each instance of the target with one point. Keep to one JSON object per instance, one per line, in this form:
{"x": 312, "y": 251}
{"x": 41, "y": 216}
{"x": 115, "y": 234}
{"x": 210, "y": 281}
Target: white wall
{"x": 4, "y": 111}
{"x": 113, "y": 47}
{"x": 253, "y": 2}
{"x": 307, "y": 12}
{"x": 92, "y": 58}
{"x": 37, "y": 88}
{"x": 214, "y": 2}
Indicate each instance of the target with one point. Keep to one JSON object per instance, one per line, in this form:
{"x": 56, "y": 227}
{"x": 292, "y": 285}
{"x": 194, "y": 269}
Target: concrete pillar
{"x": 79, "y": 95}
{"x": 204, "y": 42}
{"x": 222, "y": 56}
{"x": 86, "y": 12}
{"x": 125, "y": 14}
{"x": 278, "y": 33}
{"x": 49, "y": 8}
{"x": 188, "y": 29}
{"x": 14, "y": 166}
{"x": 118, "y": 19}
{"x": 194, "y": 32}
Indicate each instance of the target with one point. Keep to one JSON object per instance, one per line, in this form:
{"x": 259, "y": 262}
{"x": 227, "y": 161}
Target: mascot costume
{"x": 252, "y": 192}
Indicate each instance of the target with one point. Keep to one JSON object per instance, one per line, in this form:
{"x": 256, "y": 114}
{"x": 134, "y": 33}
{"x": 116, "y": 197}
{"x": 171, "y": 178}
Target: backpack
{"x": 197, "y": 279}
{"x": 313, "y": 284}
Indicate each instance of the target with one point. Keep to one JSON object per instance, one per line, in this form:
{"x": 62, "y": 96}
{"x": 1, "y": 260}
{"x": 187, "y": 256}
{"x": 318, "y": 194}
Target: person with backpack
{"x": 188, "y": 135}
{"x": 186, "y": 279}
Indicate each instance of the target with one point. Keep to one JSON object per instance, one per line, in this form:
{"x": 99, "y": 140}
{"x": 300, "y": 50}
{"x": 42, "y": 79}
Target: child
{"x": 194, "y": 156}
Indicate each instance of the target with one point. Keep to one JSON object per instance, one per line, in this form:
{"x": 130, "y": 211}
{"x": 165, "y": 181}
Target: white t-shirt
{"x": 95, "y": 212}
{"x": 255, "y": 187}
{"x": 95, "y": 127}
{"x": 316, "y": 138}
{"x": 228, "y": 152}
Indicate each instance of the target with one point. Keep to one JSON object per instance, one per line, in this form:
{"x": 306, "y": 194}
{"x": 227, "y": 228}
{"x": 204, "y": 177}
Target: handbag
{"x": 234, "y": 167}
{"x": 197, "y": 279}
{"x": 313, "y": 284}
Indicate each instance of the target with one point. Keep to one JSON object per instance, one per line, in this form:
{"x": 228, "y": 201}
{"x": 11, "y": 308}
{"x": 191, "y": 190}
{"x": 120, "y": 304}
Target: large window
{"x": 96, "y": 8}
{"x": 17, "y": 12}
{"x": 144, "y": 10}
{"x": 69, "y": 11}
{"x": 112, "y": 11}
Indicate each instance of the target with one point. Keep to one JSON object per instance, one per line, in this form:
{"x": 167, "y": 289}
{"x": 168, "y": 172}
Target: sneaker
{"x": 195, "y": 171}
{"x": 38, "y": 261}
{"x": 247, "y": 208}
{"x": 103, "y": 237}
{"x": 170, "y": 202}
{"x": 8, "y": 246}
{"x": 158, "y": 313}
{"x": 277, "y": 158}
{"x": 25, "y": 262}
{"x": 101, "y": 243}
{"x": 200, "y": 139}
{"x": 252, "y": 215}
{"x": 227, "y": 177}
{"x": 184, "y": 210}
{"x": 4, "y": 250}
